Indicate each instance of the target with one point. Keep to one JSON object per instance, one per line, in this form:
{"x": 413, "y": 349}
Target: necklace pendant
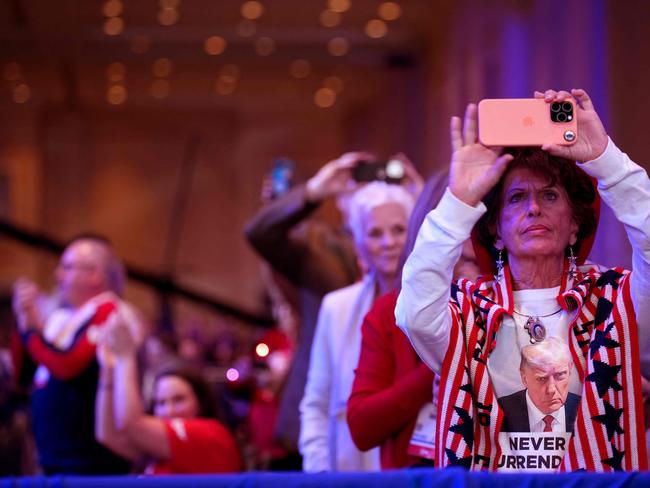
{"x": 535, "y": 329}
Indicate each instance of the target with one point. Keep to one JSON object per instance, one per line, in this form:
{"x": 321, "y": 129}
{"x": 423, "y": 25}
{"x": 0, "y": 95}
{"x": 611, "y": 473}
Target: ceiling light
{"x": 252, "y": 10}
{"x": 324, "y": 97}
{"x": 215, "y": 45}
{"x": 338, "y": 46}
{"x": 22, "y": 93}
{"x": 113, "y": 26}
{"x": 376, "y": 28}
{"x": 389, "y": 11}
{"x": 339, "y": 5}
{"x": 168, "y": 16}
{"x": 112, "y": 8}
{"x": 116, "y": 94}
{"x": 329, "y": 18}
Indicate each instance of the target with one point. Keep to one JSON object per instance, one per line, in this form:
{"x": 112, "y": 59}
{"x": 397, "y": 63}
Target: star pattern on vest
{"x": 583, "y": 333}
{"x": 616, "y": 460}
{"x": 603, "y": 310}
{"x": 455, "y": 290}
{"x": 601, "y": 339}
{"x": 465, "y": 427}
{"x": 480, "y": 294}
{"x": 584, "y": 328}
{"x": 604, "y": 376}
{"x": 609, "y": 277}
{"x": 454, "y": 460}
{"x": 610, "y": 419}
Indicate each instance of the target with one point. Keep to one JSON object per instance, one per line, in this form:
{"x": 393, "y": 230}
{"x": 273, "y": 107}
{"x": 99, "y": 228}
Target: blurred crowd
{"x": 83, "y": 373}
{"x": 87, "y": 386}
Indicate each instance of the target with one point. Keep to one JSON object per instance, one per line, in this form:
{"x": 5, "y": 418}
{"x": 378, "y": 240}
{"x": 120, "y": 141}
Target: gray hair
{"x": 371, "y": 196}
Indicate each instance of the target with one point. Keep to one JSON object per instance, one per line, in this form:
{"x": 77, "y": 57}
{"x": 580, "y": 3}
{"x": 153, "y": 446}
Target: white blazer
{"x": 325, "y": 442}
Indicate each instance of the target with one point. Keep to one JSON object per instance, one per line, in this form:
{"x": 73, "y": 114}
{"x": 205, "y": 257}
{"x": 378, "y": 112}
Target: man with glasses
{"x": 60, "y": 333}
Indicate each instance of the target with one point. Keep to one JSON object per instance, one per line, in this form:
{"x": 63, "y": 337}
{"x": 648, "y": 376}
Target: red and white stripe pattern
{"x": 466, "y": 393}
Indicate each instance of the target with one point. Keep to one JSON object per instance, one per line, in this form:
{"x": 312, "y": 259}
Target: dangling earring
{"x": 499, "y": 264}
{"x": 573, "y": 268}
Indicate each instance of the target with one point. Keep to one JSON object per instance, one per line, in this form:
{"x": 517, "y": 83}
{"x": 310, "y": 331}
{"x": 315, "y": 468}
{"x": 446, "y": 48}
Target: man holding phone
{"x": 315, "y": 256}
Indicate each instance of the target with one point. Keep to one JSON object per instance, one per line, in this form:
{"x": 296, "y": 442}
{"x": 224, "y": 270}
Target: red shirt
{"x": 391, "y": 384}
{"x": 199, "y": 445}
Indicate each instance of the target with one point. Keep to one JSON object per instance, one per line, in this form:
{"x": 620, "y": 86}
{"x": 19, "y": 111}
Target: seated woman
{"x": 533, "y": 209}
{"x": 377, "y": 215}
{"x": 182, "y": 436}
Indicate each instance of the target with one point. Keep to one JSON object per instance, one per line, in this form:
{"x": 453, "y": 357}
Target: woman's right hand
{"x": 475, "y": 168}
{"x": 118, "y": 338}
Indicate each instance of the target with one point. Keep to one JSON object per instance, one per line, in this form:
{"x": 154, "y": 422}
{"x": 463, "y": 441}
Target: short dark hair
{"x": 194, "y": 377}
{"x": 558, "y": 171}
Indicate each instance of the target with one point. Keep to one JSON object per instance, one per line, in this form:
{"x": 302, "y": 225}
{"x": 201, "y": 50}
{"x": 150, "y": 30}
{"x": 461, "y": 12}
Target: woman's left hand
{"x": 592, "y": 138}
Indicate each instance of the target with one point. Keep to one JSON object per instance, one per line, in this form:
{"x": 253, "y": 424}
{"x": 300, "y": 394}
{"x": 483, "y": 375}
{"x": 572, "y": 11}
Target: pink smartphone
{"x": 526, "y": 122}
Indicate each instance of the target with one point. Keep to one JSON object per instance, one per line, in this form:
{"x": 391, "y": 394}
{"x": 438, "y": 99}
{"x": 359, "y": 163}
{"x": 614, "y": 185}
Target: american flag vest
{"x": 609, "y": 433}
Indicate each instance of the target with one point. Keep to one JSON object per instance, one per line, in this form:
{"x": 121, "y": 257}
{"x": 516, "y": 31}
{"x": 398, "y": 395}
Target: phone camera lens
{"x": 561, "y": 117}
{"x": 395, "y": 169}
{"x": 569, "y": 136}
{"x": 567, "y": 107}
{"x": 556, "y": 106}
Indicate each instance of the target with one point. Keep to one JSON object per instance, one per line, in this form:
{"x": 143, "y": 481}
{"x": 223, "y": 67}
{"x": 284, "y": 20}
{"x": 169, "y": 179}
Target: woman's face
{"x": 535, "y": 219}
{"x": 173, "y": 397}
{"x": 384, "y": 236}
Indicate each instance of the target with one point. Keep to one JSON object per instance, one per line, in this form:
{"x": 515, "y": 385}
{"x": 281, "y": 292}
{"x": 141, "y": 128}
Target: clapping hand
{"x": 24, "y": 304}
{"x": 118, "y": 339}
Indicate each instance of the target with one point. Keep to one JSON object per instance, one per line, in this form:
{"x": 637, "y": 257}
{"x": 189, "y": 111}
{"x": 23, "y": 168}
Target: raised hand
{"x": 24, "y": 304}
{"x": 335, "y": 177}
{"x": 592, "y": 138}
{"x": 474, "y": 168}
{"x": 118, "y": 338}
{"x": 105, "y": 356}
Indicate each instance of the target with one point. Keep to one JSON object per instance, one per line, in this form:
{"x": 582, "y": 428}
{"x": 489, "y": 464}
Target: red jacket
{"x": 390, "y": 386}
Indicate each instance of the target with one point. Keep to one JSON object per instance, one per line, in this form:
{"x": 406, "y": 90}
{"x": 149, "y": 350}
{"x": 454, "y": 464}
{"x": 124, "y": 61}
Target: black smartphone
{"x": 391, "y": 171}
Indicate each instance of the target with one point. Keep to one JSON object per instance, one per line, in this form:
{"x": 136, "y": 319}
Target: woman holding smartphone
{"x": 532, "y": 210}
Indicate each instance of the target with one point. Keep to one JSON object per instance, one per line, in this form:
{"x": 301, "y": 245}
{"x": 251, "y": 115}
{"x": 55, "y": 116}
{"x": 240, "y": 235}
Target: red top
{"x": 199, "y": 445}
{"x": 390, "y": 386}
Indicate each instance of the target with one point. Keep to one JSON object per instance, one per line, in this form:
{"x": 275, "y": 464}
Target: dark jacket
{"x": 515, "y": 410}
{"x": 317, "y": 258}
